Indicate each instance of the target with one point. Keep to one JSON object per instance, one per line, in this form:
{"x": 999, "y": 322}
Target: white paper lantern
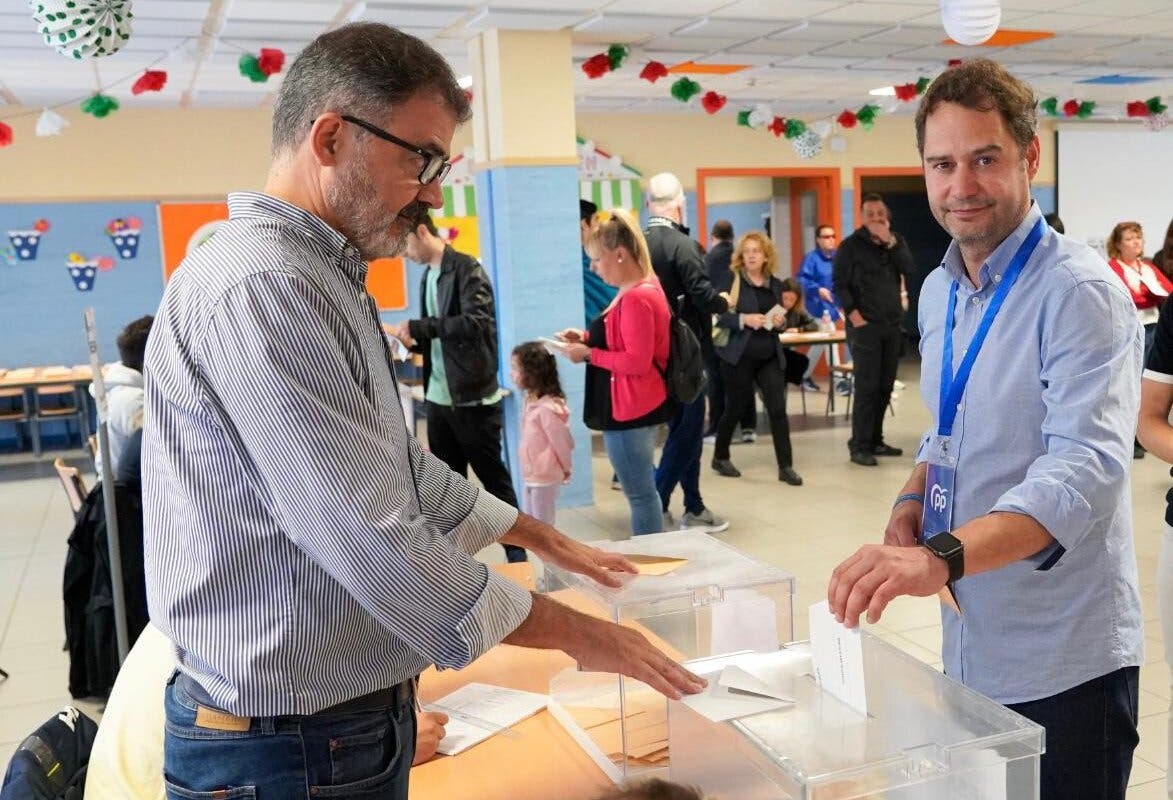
{"x": 822, "y": 128}
{"x": 82, "y": 29}
{"x": 50, "y": 123}
{"x": 761, "y": 116}
{"x": 971, "y": 22}
{"x": 807, "y": 144}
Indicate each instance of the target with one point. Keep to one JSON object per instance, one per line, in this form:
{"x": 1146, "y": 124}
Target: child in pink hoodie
{"x": 545, "y": 435}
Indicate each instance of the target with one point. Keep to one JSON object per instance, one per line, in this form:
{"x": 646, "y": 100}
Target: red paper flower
{"x": 271, "y": 60}
{"x": 1138, "y": 108}
{"x": 905, "y": 92}
{"x": 5, "y": 135}
{"x": 150, "y": 81}
{"x": 41, "y": 226}
{"x": 105, "y": 263}
{"x": 1071, "y": 108}
{"x": 597, "y": 66}
{"x": 847, "y": 119}
{"x": 712, "y": 102}
{"x": 653, "y": 71}
{"x": 953, "y": 62}
{"x": 777, "y": 126}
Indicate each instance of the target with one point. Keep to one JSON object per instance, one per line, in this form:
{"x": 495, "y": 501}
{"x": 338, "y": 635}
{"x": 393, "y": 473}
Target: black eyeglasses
{"x": 435, "y": 167}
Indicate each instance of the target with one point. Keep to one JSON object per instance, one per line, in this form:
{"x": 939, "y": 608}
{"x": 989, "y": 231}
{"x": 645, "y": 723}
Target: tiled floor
{"x": 805, "y": 530}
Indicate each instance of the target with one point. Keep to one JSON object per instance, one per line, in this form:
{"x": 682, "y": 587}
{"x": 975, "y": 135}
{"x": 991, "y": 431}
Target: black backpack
{"x": 684, "y": 375}
{"x": 51, "y": 762}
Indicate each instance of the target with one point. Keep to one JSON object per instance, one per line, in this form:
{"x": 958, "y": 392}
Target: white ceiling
{"x": 806, "y": 57}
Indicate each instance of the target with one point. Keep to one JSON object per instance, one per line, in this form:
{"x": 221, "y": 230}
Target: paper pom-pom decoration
{"x": 1157, "y": 122}
{"x": 905, "y": 92}
{"x": 5, "y": 135}
{"x": 685, "y": 89}
{"x": 1050, "y": 106}
{"x": 1137, "y": 108}
{"x": 867, "y": 116}
{"x": 777, "y": 126}
{"x": 50, "y": 123}
{"x": 597, "y": 66}
{"x": 971, "y": 22}
{"x": 653, "y": 71}
{"x": 152, "y": 80}
{"x": 743, "y": 118}
{"x": 100, "y": 105}
{"x": 807, "y": 144}
{"x": 83, "y": 28}
{"x": 713, "y": 102}
{"x": 760, "y": 116}
{"x": 1076, "y": 108}
{"x": 922, "y": 84}
{"x": 795, "y": 128}
{"x": 259, "y": 69}
{"x": 616, "y": 54}
{"x": 271, "y": 60}
{"x": 847, "y": 119}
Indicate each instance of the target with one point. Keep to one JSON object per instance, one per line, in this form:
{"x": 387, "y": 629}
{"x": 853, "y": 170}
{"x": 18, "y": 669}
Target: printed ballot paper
{"x": 477, "y": 711}
{"x": 734, "y": 693}
{"x": 837, "y": 656}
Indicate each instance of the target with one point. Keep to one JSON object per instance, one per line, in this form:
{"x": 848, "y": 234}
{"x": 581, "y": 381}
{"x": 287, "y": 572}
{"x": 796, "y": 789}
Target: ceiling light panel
{"x": 697, "y": 44}
{"x": 520, "y": 20}
{"x": 817, "y": 31}
{"x": 879, "y": 13}
{"x": 774, "y": 9}
{"x": 727, "y": 28}
{"x": 413, "y": 15}
{"x": 858, "y": 50}
{"x": 775, "y": 48}
{"x": 319, "y": 12}
{"x": 918, "y": 35}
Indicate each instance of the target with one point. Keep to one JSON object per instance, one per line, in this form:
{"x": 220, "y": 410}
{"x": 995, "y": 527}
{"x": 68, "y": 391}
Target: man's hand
{"x": 577, "y": 352}
{"x": 401, "y": 331}
{"x": 857, "y": 319}
{"x": 754, "y": 321}
{"x": 572, "y": 335}
{"x": 429, "y": 731}
{"x": 877, "y": 574}
{"x": 905, "y": 524}
{"x": 728, "y": 300}
{"x": 881, "y": 231}
{"x": 778, "y": 320}
{"x": 825, "y": 293}
{"x": 607, "y": 647}
{"x": 569, "y": 554}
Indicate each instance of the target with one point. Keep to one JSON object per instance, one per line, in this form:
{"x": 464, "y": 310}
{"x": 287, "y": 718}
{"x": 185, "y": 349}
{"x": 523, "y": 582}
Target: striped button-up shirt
{"x": 301, "y": 547}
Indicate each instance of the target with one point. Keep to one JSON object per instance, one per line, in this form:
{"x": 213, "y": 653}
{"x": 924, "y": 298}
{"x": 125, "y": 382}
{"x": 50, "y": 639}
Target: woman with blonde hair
{"x": 750, "y": 352}
{"x": 625, "y": 349}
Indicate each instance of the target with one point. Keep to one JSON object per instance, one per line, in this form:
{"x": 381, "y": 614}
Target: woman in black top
{"x": 752, "y": 354}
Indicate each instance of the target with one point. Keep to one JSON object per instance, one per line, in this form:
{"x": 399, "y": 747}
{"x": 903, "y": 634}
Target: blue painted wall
{"x": 42, "y": 311}
{"x": 744, "y": 216}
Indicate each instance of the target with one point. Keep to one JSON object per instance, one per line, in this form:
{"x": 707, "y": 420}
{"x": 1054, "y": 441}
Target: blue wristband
{"x": 920, "y": 498}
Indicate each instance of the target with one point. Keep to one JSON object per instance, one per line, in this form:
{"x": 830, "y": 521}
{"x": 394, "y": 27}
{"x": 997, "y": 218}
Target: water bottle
{"x": 827, "y": 325}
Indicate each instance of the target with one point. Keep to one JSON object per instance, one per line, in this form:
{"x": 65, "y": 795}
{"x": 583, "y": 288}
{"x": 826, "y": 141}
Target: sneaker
{"x": 670, "y": 521}
{"x": 748, "y": 436}
{"x": 615, "y": 486}
{"x": 864, "y": 459}
{"x": 843, "y": 388}
{"x": 810, "y": 385}
{"x": 724, "y": 466}
{"x": 710, "y": 439}
{"x": 887, "y": 450}
{"x": 788, "y": 475}
{"x": 705, "y": 519}
{"x": 898, "y": 385}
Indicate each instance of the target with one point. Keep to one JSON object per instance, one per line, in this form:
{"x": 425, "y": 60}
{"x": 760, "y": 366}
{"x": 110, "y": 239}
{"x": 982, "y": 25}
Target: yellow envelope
{"x": 655, "y": 565}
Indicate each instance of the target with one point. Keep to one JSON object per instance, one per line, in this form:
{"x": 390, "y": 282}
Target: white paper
{"x": 477, "y": 711}
{"x": 737, "y": 680}
{"x": 747, "y": 620}
{"x": 553, "y": 345}
{"x": 718, "y": 703}
{"x": 837, "y": 657}
{"x": 776, "y": 310}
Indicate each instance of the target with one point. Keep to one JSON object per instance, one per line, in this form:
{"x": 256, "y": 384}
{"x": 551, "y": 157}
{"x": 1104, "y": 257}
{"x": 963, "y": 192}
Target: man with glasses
{"x": 304, "y": 555}
{"x": 815, "y": 276}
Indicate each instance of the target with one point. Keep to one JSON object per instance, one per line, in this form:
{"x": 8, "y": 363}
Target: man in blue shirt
{"x": 1034, "y": 541}
{"x": 815, "y": 276}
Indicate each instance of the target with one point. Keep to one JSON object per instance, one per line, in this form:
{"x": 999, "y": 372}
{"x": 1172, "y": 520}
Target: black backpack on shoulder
{"x": 685, "y": 373}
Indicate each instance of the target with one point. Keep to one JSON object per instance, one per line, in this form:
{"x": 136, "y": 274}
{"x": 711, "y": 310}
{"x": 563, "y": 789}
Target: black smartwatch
{"x": 948, "y": 547}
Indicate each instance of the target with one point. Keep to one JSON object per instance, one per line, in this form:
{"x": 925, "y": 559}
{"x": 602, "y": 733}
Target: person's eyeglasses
{"x": 435, "y": 166}
{"x": 826, "y": 236}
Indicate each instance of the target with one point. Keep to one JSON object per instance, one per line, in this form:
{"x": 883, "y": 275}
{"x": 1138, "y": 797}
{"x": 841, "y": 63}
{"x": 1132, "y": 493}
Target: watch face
{"x": 944, "y": 544}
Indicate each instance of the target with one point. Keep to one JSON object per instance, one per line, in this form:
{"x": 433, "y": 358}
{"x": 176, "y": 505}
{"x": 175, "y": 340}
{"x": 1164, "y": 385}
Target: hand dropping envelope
{"x": 655, "y": 565}
{"x": 735, "y": 694}
{"x": 738, "y": 681}
{"x": 837, "y": 657}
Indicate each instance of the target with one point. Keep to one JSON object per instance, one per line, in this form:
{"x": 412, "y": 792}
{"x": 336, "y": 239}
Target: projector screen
{"x": 1111, "y": 173}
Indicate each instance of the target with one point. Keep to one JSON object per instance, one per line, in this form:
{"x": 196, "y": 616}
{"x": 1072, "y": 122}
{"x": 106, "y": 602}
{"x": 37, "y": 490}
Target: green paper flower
{"x": 617, "y": 53}
{"x": 99, "y": 105}
{"x": 867, "y": 116}
{"x": 1085, "y": 109}
{"x": 743, "y": 117}
{"x": 794, "y": 127}
{"x": 685, "y": 89}
{"x": 1050, "y": 106}
{"x": 923, "y": 84}
{"x": 1156, "y": 106}
{"x": 250, "y": 68}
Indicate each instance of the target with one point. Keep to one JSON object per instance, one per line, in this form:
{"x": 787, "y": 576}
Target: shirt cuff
{"x": 488, "y": 521}
{"x": 1159, "y": 377}
{"x": 500, "y": 609}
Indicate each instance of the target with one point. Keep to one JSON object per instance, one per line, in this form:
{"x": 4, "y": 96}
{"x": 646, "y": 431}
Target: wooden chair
{"x": 14, "y": 411}
{"x": 72, "y": 481}
{"x": 69, "y": 407}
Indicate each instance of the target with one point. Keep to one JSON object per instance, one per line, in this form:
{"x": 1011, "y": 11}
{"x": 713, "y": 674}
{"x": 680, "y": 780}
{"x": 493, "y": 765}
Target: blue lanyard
{"x": 952, "y": 388}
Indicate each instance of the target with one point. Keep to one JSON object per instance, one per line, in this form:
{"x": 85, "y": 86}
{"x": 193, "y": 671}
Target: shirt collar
{"x": 999, "y": 260}
{"x": 259, "y": 204}
{"x": 664, "y": 222}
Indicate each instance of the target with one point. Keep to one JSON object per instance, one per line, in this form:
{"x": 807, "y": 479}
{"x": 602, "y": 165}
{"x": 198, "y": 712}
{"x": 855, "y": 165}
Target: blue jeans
{"x": 1091, "y": 733}
{"x": 359, "y": 754}
{"x": 631, "y": 453}
{"x": 680, "y": 463}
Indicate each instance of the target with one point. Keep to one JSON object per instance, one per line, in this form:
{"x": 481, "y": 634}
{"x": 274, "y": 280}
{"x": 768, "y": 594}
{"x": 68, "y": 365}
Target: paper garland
{"x": 685, "y": 89}
{"x": 5, "y": 135}
{"x": 83, "y": 29}
{"x": 50, "y": 123}
{"x": 653, "y": 71}
{"x": 600, "y": 64}
{"x": 259, "y": 68}
{"x": 153, "y": 80}
{"x": 100, "y": 105}
{"x": 713, "y": 102}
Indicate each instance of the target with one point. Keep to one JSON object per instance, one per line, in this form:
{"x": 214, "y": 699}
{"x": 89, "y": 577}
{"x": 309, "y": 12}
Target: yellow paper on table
{"x": 655, "y": 565}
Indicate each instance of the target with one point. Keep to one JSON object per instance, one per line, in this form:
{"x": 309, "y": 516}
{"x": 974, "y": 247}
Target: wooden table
{"x": 833, "y": 338}
{"x": 542, "y": 763}
{"x": 28, "y": 379}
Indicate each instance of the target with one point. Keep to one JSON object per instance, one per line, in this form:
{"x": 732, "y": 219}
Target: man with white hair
{"x": 681, "y": 269}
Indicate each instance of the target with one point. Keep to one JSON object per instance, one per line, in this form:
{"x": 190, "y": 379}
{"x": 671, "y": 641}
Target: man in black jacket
{"x": 681, "y": 269}
{"x": 868, "y": 278}
{"x": 457, "y": 336}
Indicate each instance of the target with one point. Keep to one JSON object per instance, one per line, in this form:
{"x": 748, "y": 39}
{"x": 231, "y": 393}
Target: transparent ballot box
{"x": 924, "y": 737}
{"x": 695, "y": 597}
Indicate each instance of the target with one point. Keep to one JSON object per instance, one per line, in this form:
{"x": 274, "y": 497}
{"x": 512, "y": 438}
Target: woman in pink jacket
{"x": 626, "y": 351}
{"x": 545, "y": 435}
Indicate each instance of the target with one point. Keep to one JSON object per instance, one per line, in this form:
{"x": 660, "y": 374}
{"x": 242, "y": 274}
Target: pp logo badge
{"x": 938, "y": 498}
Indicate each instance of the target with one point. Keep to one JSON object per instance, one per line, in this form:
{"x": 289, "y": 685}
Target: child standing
{"x": 545, "y": 435}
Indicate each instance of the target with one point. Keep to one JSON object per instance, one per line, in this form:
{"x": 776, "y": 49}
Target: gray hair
{"x": 364, "y": 69}
{"x": 664, "y": 192}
